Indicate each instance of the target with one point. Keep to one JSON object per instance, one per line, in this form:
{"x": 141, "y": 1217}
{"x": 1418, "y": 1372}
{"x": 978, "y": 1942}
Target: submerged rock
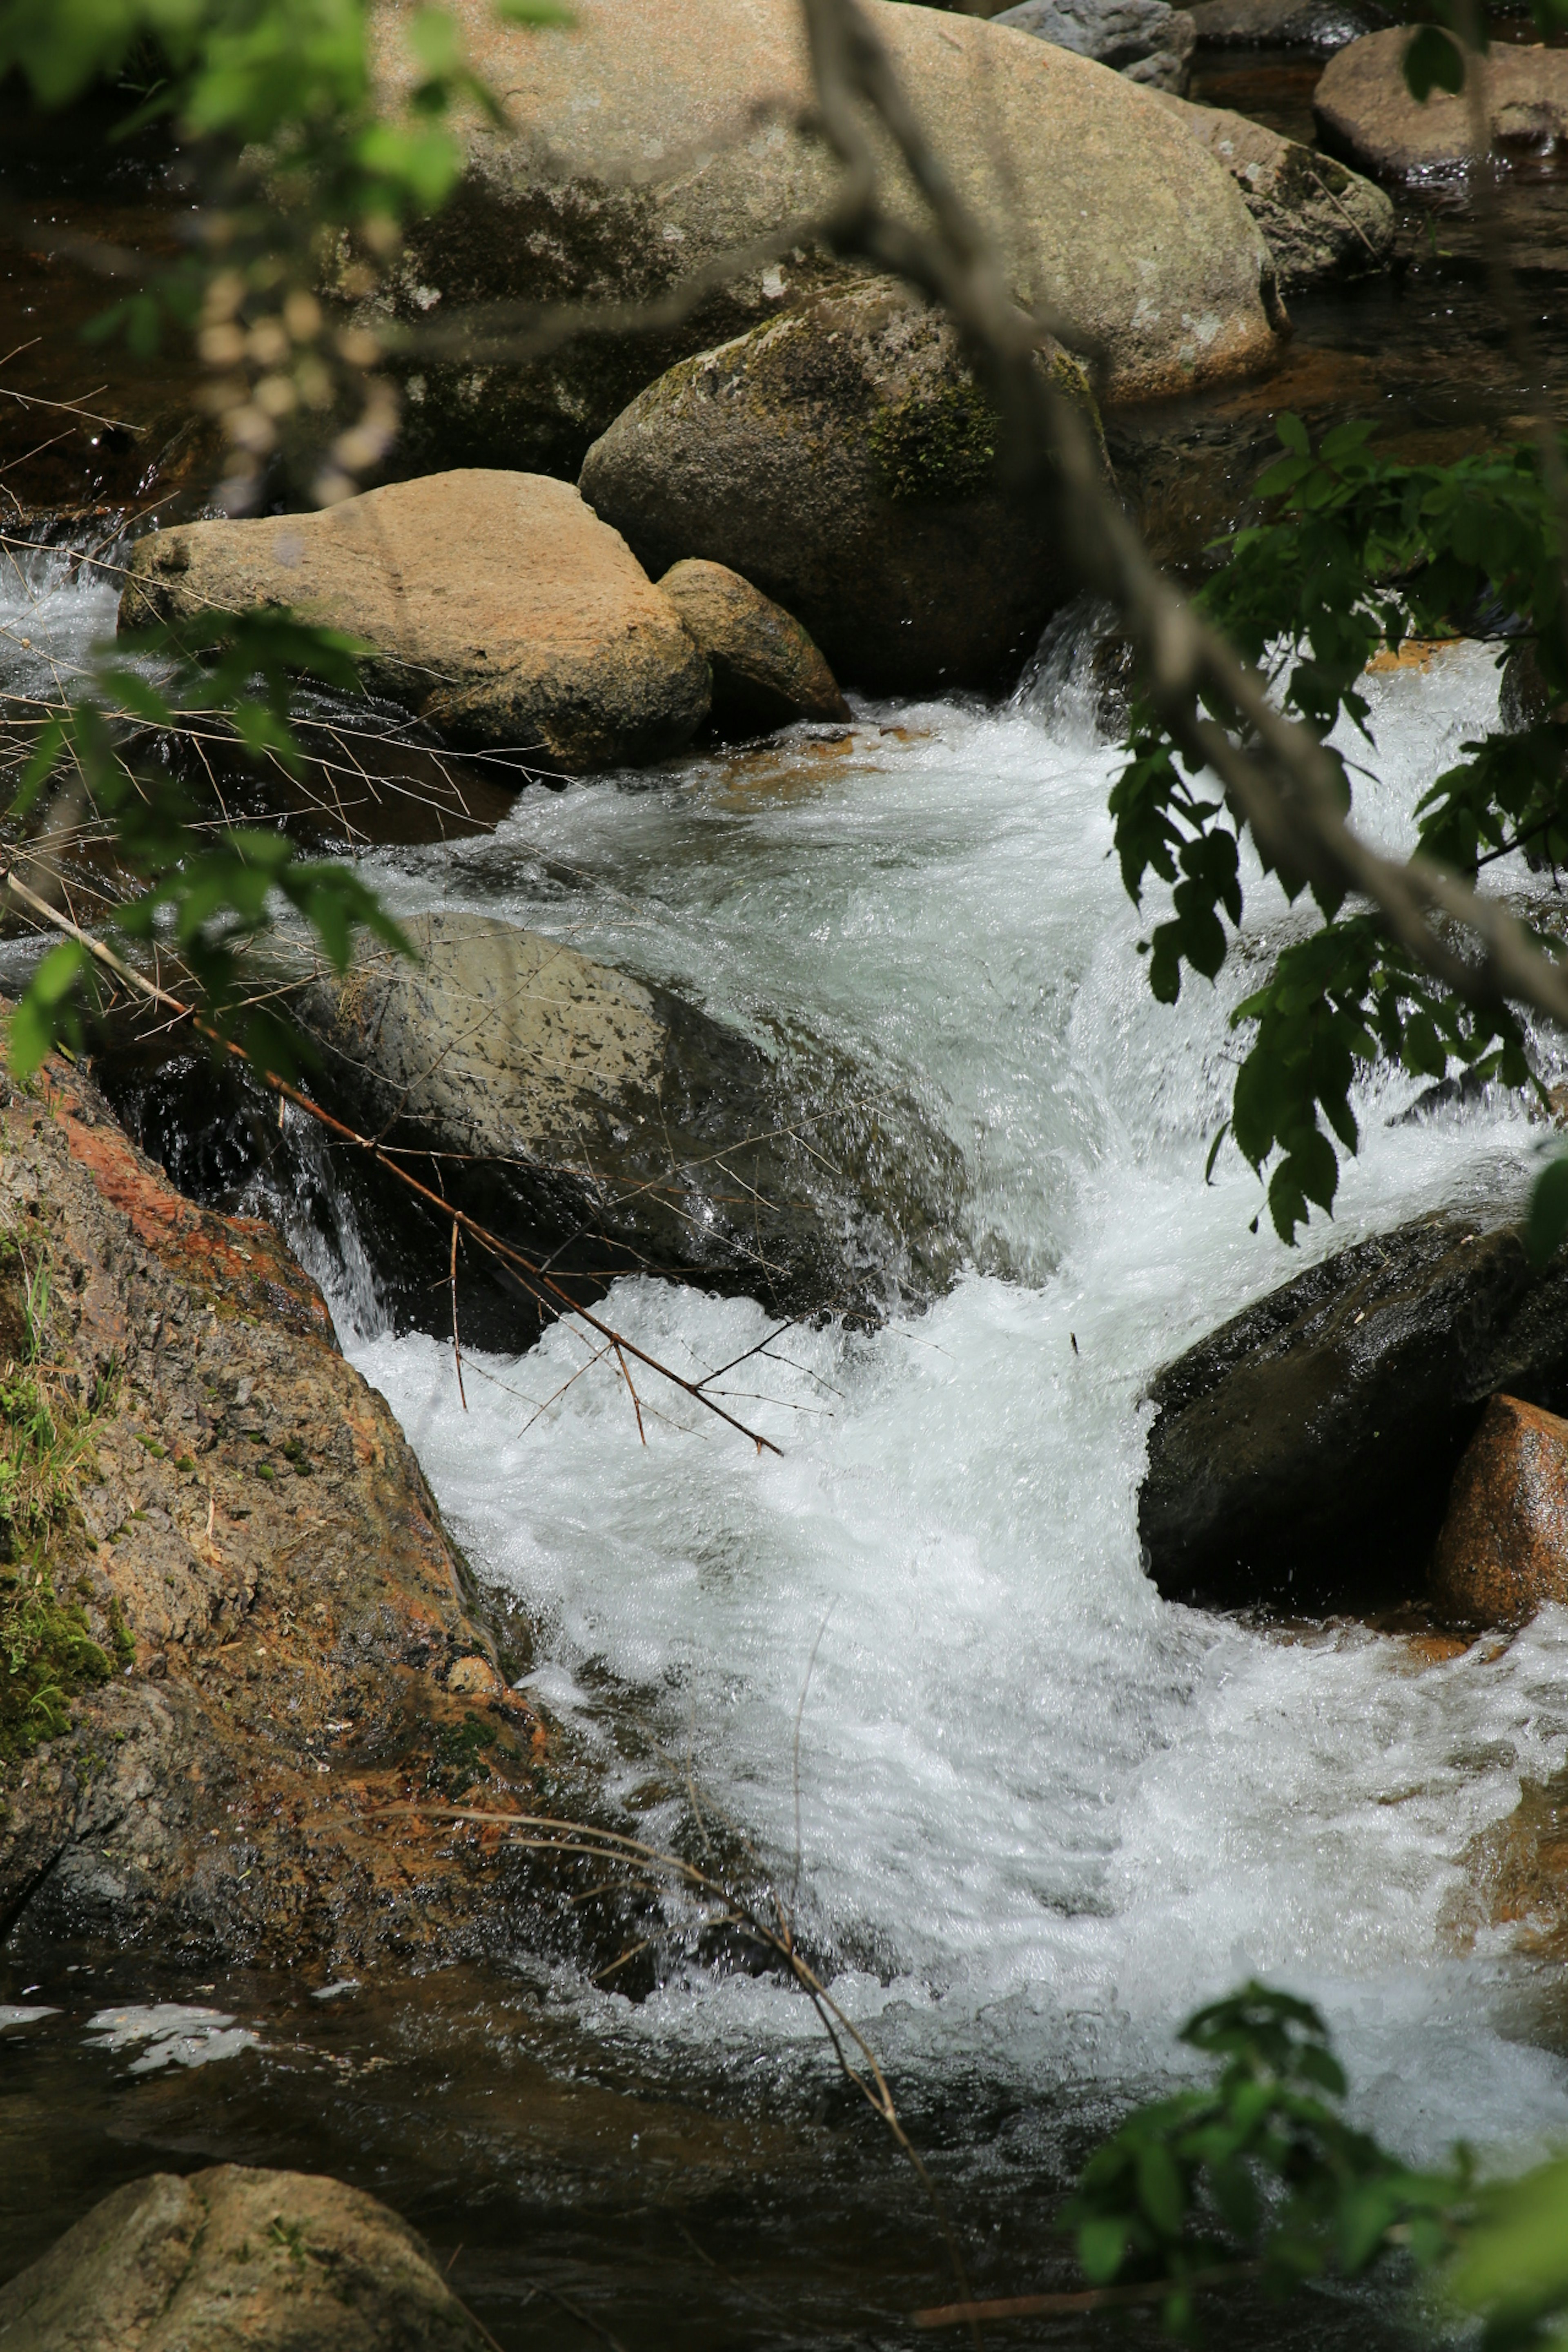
{"x": 496, "y": 606}
{"x": 766, "y": 669}
{"x": 233, "y": 2257}
{"x": 1365, "y": 108}
{"x": 587, "y": 1108}
{"x": 245, "y": 1537}
{"x": 1300, "y": 1456}
{"x": 1320, "y": 220}
{"x": 1503, "y": 1549}
{"x": 633, "y": 155}
{"x": 1147, "y": 40}
{"x": 845, "y": 459}
{"x": 1321, "y": 24}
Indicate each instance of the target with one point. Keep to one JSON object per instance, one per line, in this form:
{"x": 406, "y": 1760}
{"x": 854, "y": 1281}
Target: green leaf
{"x": 1292, "y": 432}
{"x": 1160, "y": 2188}
{"x": 1547, "y": 1221}
{"x": 1100, "y": 2246}
{"x": 1434, "y": 60}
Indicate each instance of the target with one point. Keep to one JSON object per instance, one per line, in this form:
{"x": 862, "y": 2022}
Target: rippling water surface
{"x": 1041, "y": 1811}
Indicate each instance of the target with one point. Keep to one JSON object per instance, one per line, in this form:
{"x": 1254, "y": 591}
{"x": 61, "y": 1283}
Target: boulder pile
{"x": 633, "y": 156}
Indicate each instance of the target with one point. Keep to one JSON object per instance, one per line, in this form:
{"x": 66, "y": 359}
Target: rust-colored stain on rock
{"x": 1503, "y": 1549}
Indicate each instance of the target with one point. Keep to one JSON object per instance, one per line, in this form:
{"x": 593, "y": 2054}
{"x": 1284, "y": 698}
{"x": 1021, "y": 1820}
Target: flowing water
{"x": 1032, "y": 1813}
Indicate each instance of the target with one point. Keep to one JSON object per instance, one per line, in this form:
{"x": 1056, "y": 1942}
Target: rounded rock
{"x": 844, "y": 459}
{"x": 496, "y": 606}
{"x": 766, "y": 668}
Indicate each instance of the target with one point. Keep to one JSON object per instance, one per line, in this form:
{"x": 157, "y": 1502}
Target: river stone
{"x": 766, "y": 669}
{"x": 1321, "y": 221}
{"x": 1365, "y": 108}
{"x": 235, "y": 2260}
{"x": 844, "y": 459}
{"x": 1301, "y": 1455}
{"x": 496, "y": 606}
{"x": 1147, "y": 40}
{"x": 1321, "y": 24}
{"x": 1503, "y": 1549}
{"x": 635, "y": 155}
{"x": 587, "y": 1106}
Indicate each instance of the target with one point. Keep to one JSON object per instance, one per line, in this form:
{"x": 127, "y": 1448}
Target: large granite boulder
{"x": 496, "y": 606}
{"x": 635, "y": 152}
{"x": 1321, "y": 221}
{"x": 235, "y": 2260}
{"x": 1302, "y": 1456}
{"x": 1147, "y": 40}
{"x": 581, "y": 1111}
{"x": 1365, "y": 108}
{"x": 843, "y": 458}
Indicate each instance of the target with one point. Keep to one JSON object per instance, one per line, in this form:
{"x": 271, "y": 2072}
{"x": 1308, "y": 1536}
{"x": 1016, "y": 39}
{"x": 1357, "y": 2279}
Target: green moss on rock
{"x": 938, "y": 445}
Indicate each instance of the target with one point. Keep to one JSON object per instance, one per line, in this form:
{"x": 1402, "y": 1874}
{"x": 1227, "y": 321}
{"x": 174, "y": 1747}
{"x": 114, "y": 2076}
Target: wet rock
{"x": 1321, "y": 221}
{"x": 1365, "y": 110}
{"x": 496, "y": 606}
{"x": 766, "y": 669}
{"x": 235, "y": 2260}
{"x": 844, "y": 459}
{"x": 1503, "y": 1549}
{"x": 633, "y": 156}
{"x": 1147, "y": 40}
{"x": 249, "y": 1540}
{"x": 1321, "y": 24}
{"x": 587, "y": 1106}
{"x": 1524, "y": 698}
{"x": 1301, "y": 1455}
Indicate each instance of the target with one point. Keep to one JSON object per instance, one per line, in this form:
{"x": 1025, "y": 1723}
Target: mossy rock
{"x": 844, "y": 461}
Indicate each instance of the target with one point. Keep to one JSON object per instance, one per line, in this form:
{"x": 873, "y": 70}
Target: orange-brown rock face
{"x": 244, "y": 1509}
{"x": 1503, "y": 1549}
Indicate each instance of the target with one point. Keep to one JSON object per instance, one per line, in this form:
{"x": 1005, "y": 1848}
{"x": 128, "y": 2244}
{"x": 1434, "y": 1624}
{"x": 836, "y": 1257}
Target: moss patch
{"x": 938, "y": 447}
{"x": 47, "y": 1656}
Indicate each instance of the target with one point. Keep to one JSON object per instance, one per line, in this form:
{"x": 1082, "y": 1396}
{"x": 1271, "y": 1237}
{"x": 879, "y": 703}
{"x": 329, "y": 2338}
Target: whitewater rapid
{"x": 1041, "y": 1812}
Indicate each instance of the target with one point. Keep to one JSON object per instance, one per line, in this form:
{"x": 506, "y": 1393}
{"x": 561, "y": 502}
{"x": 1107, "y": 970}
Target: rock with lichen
{"x": 277, "y": 2261}
{"x": 844, "y": 461}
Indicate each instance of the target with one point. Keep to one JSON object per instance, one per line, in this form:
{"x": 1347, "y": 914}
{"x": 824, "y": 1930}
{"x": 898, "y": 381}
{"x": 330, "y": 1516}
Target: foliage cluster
{"x": 1258, "y": 2175}
{"x": 1357, "y": 552}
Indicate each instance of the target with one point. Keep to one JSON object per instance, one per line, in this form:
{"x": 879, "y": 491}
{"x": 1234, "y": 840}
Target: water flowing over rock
{"x": 766, "y": 669}
{"x": 250, "y": 1543}
{"x": 1321, "y": 221}
{"x": 1321, "y": 24}
{"x": 496, "y": 606}
{"x": 602, "y": 1111}
{"x": 635, "y": 155}
{"x": 1147, "y": 40}
{"x": 235, "y": 2260}
{"x": 843, "y": 458}
{"x": 1503, "y": 1549}
{"x": 1365, "y": 108}
{"x": 1301, "y": 1455}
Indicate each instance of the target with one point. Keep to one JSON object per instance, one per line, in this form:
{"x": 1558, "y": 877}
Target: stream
{"x": 1032, "y": 1813}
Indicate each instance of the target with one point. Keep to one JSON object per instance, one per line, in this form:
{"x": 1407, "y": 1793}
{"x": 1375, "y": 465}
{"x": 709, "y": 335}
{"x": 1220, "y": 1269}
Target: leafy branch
{"x": 1358, "y": 552}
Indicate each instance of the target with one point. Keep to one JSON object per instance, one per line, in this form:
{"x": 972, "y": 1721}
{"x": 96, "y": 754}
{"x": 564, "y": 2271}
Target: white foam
{"x": 1042, "y": 1812}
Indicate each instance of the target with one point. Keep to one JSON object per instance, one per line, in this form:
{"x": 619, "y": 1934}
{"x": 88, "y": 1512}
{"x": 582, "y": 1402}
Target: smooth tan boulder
{"x": 496, "y": 606}
{"x": 1365, "y": 108}
{"x": 844, "y": 461}
{"x": 1503, "y": 1549}
{"x": 235, "y": 2260}
{"x": 766, "y": 668}
{"x": 643, "y": 143}
{"x": 1320, "y": 220}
